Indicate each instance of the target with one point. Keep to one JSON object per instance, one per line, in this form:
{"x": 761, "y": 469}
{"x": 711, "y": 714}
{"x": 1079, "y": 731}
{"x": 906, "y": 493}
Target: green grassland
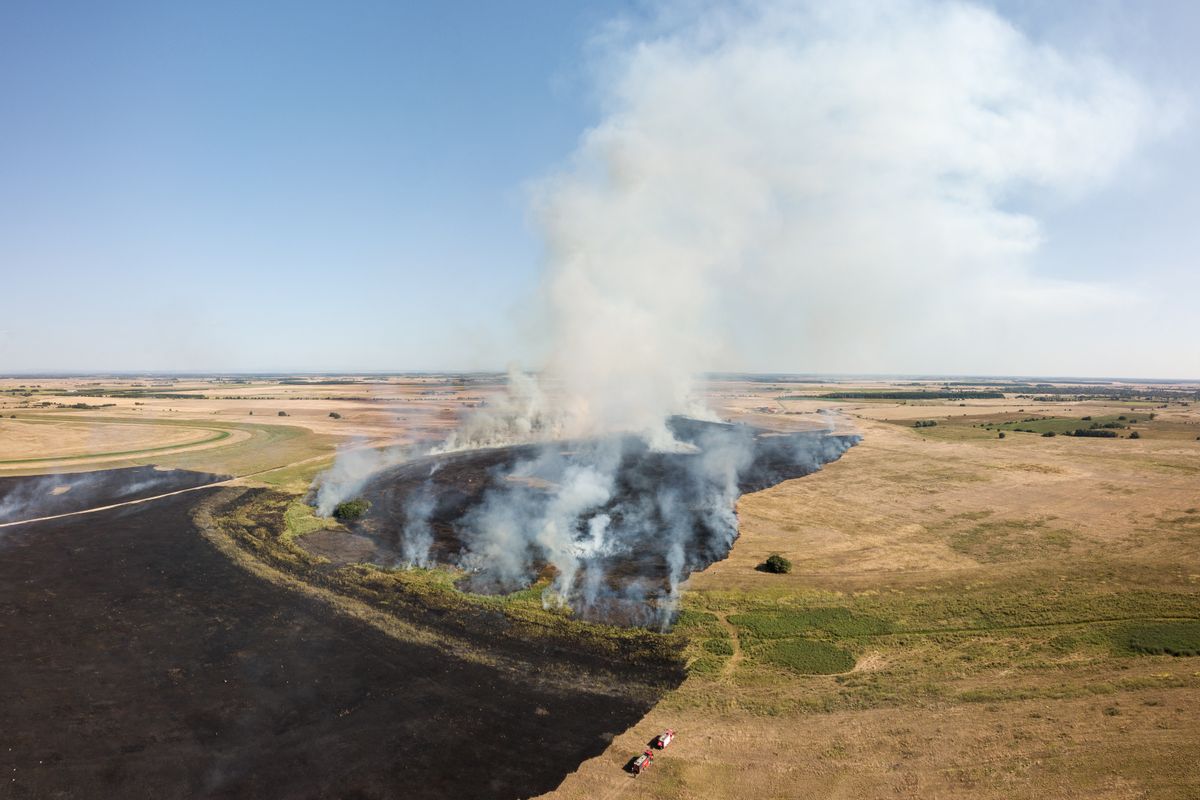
{"x": 1047, "y": 637}
{"x": 267, "y": 448}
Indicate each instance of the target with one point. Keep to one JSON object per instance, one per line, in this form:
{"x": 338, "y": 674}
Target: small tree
{"x": 777, "y": 564}
{"x": 351, "y": 509}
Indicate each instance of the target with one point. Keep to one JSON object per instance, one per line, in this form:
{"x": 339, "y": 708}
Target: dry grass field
{"x": 969, "y": 605}
{"x": 279, "y": 430}
{"x": 983, "y": 593}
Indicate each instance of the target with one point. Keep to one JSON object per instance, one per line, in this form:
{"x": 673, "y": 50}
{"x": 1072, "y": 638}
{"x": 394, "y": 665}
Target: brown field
{"x": 1007, "y": 572}
{"x": 984, "y": 591}
{"x": 233, "y": 428}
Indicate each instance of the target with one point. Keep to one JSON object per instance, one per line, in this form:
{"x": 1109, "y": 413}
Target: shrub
{"x": 283, "y": 413}
{"x": 335, "y": 415}
{"x": 1097, "y": 432}
{"x": 1135, "y": 435}
{"x": 924, "y": 423}
{"x": 1000, "y": 435}
{"x": 351, "y": 509}
{"x": 1049, "y": 433}
{"x": 777, "y": 564}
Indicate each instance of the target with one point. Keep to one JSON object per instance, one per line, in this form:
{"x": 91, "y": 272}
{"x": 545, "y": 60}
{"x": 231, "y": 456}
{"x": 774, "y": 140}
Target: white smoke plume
{"x": 352, "y": 468}
{"x": 794, "y": 184}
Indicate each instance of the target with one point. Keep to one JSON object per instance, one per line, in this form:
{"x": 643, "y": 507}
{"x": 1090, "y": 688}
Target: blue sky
{"x": 305, "y": 186}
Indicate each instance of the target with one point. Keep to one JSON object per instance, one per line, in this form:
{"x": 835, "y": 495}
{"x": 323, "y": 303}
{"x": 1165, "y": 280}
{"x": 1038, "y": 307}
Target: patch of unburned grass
{"x": 1011, "y": 539}
{"x": 1164, "y": 638}
{"x": 808, "y": 657}
{"x": 300, "y": 518}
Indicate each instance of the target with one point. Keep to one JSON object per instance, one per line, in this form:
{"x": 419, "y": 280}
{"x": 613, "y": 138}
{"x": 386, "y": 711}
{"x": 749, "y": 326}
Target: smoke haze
{"x": 785, "y": 183}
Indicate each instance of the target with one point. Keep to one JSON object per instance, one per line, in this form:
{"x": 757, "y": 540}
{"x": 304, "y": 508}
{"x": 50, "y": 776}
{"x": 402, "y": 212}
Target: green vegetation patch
{"x": 1165, "y": 638}
{"x": 776, "y": 564}
{"x": 808, "y": 657}
{"x": 351, "y": 509}
{"x": 1060, "y": 425}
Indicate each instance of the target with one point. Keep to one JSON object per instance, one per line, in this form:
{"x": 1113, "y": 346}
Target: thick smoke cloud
{"x": 795, "y": 185}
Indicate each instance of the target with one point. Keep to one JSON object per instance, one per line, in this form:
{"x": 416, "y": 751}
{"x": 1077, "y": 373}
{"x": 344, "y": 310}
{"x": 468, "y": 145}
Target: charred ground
{"x": 139, "y": 661}
{"x": 668, "y": 514}
{"x": 47, "y": 495}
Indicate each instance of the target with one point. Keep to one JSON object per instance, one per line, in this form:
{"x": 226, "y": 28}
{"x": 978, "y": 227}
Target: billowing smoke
{"x": 609, "y": 524}
{"x": 765, "y": 177}
{"x": 416, "y": 535}
{"x": 810, "y": 185}
{"x": 352, "y": 468}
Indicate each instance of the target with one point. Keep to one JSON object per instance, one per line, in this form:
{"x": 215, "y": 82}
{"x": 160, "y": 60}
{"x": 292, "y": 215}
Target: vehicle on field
{"x": 641, "y": 763}
{"x": 664, "y": 739}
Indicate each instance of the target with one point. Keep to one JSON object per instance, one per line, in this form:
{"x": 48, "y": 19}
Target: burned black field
{"x": 617, "y": 524}
{"x": 140, "y": 662}
{"x": 47, "y": 495}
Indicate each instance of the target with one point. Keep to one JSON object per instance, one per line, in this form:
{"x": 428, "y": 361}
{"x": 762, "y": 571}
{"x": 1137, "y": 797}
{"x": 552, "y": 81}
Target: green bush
{"x": 1049, "y": 433}
{"x": 1135, "y": 435}
{"x": 777, "y": 564}
{"x": 809, "y": 657}
{"x": 1167, "y": 638}
{"x": 351, "y": 509}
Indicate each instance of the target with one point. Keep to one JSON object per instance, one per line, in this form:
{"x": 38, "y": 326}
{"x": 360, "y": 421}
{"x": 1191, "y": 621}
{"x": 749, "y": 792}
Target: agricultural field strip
{"x": 220, "y": 433}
